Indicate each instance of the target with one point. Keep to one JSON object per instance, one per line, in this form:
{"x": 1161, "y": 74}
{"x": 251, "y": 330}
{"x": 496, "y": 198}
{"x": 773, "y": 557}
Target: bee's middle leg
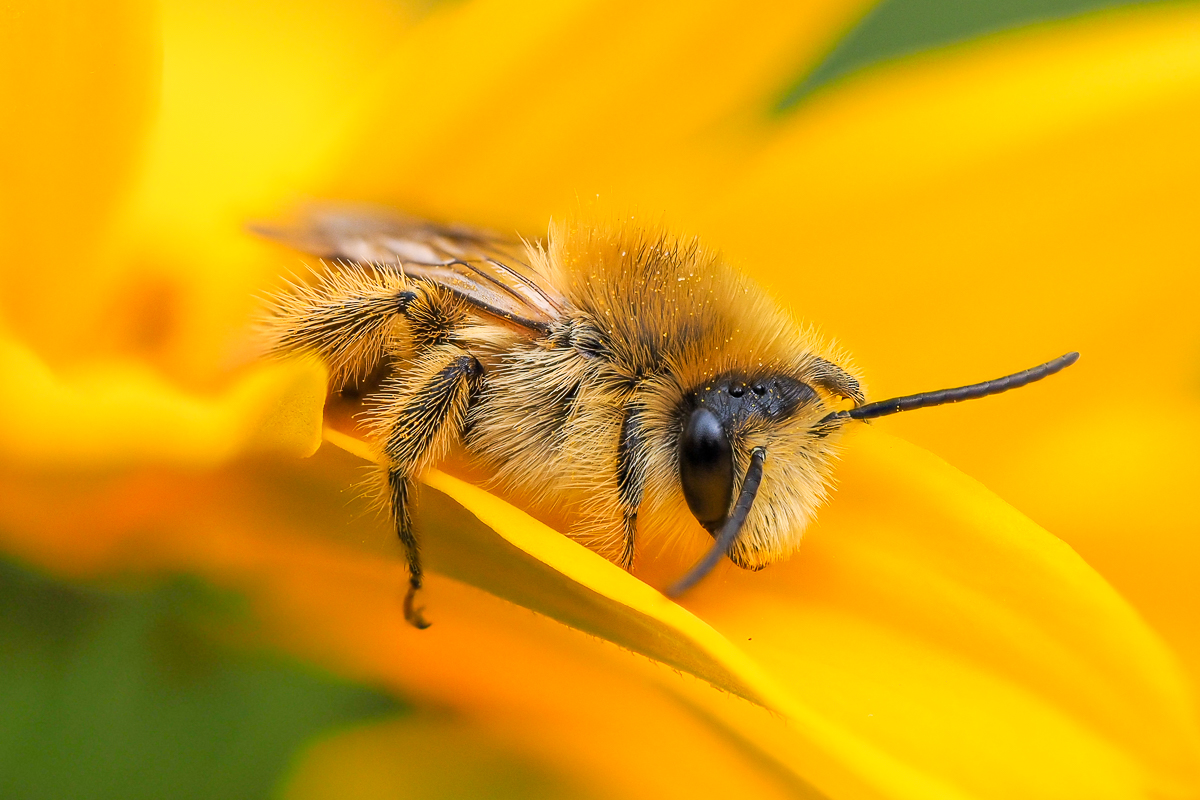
{"x": 420, "y": 414}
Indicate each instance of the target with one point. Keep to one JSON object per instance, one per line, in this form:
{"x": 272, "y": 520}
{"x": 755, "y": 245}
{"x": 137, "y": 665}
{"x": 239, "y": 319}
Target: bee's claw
{"x": 414, "y": 615}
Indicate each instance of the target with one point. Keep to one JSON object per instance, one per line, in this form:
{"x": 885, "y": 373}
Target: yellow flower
{"x": 954, "y": 217}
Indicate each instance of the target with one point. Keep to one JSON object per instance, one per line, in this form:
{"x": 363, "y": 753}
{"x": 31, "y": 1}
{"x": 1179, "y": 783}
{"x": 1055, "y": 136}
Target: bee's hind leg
{"x": 419, "y": 415}
{"x": 346, "y": 318}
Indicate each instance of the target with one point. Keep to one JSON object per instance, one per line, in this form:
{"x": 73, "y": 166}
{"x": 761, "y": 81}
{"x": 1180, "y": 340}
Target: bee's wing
{"x": 485, "y": 269}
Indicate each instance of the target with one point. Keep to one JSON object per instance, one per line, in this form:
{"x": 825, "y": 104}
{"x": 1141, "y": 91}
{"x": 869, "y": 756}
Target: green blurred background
{"x": 136, "y": 689}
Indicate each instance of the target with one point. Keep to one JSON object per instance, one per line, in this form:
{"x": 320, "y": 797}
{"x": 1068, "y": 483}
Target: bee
{"x": 618, "y": 371}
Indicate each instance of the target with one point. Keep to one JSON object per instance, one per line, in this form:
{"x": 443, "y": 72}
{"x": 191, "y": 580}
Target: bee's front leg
{"x": 420, "y": 414}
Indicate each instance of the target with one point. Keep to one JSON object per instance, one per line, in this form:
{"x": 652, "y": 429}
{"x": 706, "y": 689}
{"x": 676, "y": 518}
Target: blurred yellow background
{"x": 952, "y": 191}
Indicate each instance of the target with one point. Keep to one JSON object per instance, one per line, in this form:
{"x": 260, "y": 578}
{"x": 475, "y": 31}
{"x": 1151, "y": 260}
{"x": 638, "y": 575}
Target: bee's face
{"x": 720, "y": 423}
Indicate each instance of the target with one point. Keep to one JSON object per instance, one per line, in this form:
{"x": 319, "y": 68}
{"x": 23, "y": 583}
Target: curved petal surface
{"x": 117, "y": 414}
{"x": 920, "y": 599}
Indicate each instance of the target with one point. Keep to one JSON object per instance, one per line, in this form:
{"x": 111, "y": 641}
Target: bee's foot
{"x": 414, "y": 615}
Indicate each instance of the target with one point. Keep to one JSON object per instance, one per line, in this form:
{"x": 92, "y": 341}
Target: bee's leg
{"x": 834, "y": 379}
{"x": 419, "y": 415}
{"x": 400, "y": 488}
{"x": 631, "y": 479}
{"x": 348, "y": 318}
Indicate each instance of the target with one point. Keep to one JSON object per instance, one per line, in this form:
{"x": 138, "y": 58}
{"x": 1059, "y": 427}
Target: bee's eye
{"x": 706, "y": 468}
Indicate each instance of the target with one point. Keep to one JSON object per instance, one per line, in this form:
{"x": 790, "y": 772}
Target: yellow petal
{"x": 934, "y": 620}
{"x": 116, "y": 414}
{"x": 921, "y": 598}
{"x": 549, "y": 573}
{"x": 541, "y": 109}
{"x": 79, "y": 83}
{"x": 1124, "y": 496}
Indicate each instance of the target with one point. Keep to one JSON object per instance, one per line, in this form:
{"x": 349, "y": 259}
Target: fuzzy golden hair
{"x": 619, "y": 375}
{"x": 669, "y": 315}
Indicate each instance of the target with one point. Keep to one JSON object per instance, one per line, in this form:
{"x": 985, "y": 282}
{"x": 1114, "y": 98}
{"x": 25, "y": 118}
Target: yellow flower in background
{"x": 955, "y": 217}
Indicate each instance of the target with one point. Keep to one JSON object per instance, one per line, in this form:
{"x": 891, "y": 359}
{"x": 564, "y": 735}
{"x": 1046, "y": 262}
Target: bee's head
{"x": 722, "y": 424}
{"x": 719, "y": 414}
{"x": 733, "y": 421}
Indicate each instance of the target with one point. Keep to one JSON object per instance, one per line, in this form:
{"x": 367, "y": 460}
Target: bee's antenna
{"x": 731, "y": 528}
{"x": 911, "y": 402}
